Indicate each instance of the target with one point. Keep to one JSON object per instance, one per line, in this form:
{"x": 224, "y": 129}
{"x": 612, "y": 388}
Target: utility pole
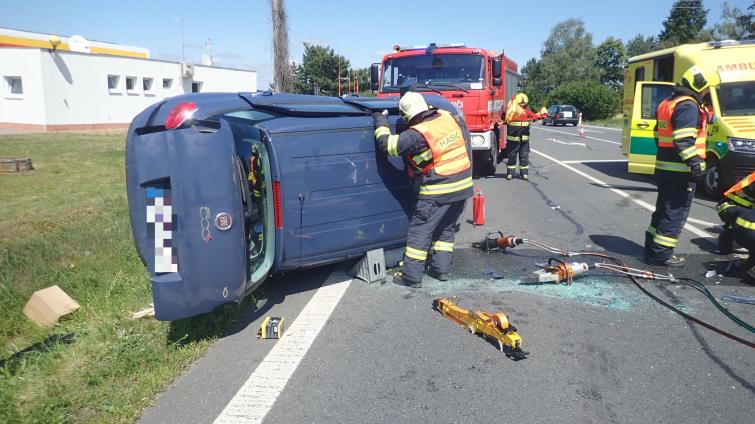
{"x": 283, "y": 76}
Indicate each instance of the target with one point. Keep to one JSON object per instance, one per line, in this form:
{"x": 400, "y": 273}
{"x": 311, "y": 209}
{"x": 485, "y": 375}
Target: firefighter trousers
{"x": 743, "y": 230}
{"x": 675, "y": 193}
{"x": 520, "y": 149}
{"x": 432, "y": 230}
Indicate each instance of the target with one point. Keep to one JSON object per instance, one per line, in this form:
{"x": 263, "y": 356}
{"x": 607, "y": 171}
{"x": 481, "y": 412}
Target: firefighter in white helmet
{"x": 437, "y": 151}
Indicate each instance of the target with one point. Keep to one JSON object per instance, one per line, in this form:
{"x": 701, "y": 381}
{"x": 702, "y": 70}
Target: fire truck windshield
{"x": 447, "y": 72}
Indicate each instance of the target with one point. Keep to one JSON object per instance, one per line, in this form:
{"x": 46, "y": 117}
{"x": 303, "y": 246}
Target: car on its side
{"x": 562, "y": 115}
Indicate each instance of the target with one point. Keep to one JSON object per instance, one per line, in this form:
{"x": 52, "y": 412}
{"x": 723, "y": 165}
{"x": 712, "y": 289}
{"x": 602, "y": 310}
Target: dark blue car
{"x": 225, "y": 189}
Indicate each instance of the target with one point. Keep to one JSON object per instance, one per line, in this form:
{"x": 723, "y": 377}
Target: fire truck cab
{"x": 476, "y": 81}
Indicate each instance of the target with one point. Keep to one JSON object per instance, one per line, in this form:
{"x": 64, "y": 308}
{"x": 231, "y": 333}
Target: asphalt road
{"x": 600, "y": 350}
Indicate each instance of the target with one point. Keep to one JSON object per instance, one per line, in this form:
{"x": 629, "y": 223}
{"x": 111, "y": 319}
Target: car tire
{"x": 711, "y": 184}
{"x": 490, "y": 163}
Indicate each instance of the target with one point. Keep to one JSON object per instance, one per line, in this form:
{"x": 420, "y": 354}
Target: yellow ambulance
{"x": 731, "y": 137}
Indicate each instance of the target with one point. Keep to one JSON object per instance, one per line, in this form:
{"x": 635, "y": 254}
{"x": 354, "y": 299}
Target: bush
{"x": 593, "y": 99}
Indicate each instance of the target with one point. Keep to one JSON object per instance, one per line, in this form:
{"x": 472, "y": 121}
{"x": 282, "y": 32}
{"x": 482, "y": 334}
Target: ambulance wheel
{"x": 711, "y": 184}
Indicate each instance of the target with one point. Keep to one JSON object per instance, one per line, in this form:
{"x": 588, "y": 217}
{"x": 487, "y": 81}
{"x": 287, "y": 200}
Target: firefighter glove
{"x": 697, "y": 172}
{"x": 380, "y": 119}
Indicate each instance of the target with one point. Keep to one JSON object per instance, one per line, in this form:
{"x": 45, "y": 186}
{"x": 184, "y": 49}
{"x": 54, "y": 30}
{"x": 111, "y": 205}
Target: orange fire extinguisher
{"x": 478, "y": 208}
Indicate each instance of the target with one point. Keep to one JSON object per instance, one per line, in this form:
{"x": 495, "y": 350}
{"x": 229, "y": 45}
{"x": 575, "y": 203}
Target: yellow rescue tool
{"x": 487, "y": 324}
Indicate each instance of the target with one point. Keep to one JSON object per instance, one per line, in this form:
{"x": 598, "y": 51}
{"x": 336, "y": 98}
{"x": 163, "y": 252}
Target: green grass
{"x": 610, "y": 122}
{"x": 67, "y": 223}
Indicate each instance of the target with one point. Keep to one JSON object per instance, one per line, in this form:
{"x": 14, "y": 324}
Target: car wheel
{"x": 711, "y": 183}
{"x": 491, "y": 162}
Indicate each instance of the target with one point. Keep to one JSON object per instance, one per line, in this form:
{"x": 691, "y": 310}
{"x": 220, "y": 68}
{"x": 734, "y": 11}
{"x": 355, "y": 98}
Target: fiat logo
{"x": 223, "y": 221}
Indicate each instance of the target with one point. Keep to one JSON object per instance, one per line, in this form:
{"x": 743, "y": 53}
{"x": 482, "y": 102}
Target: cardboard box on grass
{"x": 46, "y": 306}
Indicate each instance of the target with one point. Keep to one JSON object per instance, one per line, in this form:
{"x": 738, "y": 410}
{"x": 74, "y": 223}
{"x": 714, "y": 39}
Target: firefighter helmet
{"x": 411, "y": 104}
{"x": 698, "y": 80}
{"x": 521, "y": 98}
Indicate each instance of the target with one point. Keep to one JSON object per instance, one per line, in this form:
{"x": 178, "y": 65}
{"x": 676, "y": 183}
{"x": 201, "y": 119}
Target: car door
{"x": 187, "y": 216}
{"x": 642, "y": 137}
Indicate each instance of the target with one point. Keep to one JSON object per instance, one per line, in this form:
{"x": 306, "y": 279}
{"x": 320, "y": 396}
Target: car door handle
{"x": 643, "y": 125}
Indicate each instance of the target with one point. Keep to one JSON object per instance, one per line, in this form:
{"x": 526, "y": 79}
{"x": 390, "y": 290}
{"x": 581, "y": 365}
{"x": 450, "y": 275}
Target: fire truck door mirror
{"x": 497, "y": 82}
{"x": 374, "y": 76}
{"x": 497, "y": 71}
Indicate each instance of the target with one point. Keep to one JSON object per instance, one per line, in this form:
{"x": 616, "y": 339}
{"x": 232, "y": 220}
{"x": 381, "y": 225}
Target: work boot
{"x": 725, "y": 240}
{"x": 751, "y": 275}
{"x": 672, "y": 262}
{"x": 437, "y": 275}
{"x": 509, "y": 176}
{"x": 398, "y": 279}
{"x": 525, "y": 177}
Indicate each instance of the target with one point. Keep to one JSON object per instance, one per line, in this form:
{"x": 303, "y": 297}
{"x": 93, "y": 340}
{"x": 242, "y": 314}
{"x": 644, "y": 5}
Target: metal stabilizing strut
{"x": 489, "y": 325}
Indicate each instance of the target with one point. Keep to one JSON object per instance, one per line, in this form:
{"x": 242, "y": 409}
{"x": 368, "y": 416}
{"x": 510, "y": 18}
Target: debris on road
{"x": 145, "y": 312}
{"x": 492, "y": 273}
{"x": 46, "y": 306}
{"x": 271, "y": 328}
{"x": 738, "y": 298}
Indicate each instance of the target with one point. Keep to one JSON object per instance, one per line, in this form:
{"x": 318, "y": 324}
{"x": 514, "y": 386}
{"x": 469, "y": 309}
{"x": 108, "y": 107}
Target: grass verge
{"x": 610, "y": 122}
{"x": 67, "y": 223}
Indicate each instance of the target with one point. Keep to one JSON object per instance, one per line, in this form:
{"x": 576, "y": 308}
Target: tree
{"x": 567, "y": 55}
{"x": 319, "y": 71}
{"x": 612, "y": 58}
{"x": 684, "y": 24}
{"x": 595, "y": 100}
{"x": 282, "y": 65}
{"x": 640, "y": 45}
{"x": 735, "y": 24}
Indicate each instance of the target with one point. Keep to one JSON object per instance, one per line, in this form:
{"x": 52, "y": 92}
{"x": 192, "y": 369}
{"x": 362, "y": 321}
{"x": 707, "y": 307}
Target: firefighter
{"x": 679, "y": 163}
{"x": 436, "y": 150}
{"x": 517, "y": 121}
{"x": 741, "y": 195}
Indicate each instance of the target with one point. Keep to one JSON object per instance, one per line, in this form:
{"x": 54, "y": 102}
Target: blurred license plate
{"x": 567, "y": 115}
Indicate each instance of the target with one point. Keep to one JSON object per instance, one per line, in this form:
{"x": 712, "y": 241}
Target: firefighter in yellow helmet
{"x": 437, "y": 151}
{"x": 517, "y": 120}
{"x": 679, "y": 163}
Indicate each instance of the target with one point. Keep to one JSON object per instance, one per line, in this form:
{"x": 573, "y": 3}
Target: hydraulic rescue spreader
{"x": 487, "y": 324}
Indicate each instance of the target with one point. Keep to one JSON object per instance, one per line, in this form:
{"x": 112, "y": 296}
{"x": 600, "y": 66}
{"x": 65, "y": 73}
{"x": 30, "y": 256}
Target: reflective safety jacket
{"x": 736, "y": 196}
{"x": 518, "y": 116}
{"x": 437, "y": 151}
{"x": 681, "y": 136}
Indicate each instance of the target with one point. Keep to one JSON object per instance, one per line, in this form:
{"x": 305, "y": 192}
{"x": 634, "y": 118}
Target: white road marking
{"x": 621, "y": 193}
{"x": 593, "y": 131}
{"x": 604, "y": 128}
{"x": 593, "y": 160}
{"x": 701, "y": 222}
{"x": 587, "y": 136}
{"x": 258, "y": 394}
{"x": 568, "y": 143}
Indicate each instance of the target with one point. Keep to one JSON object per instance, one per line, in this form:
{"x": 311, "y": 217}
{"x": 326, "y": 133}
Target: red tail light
{"x": 180, "y": 114}
{"x": 556, "y": 116}
{"x": 278, "y": 205}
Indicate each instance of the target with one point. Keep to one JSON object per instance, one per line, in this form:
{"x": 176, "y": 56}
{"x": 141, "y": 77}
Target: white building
{"x": 45, "y": 89}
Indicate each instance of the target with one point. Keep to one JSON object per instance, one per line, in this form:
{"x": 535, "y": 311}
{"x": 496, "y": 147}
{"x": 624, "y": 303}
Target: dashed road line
{"x": 621, "y": 193}
{"x": 568, "y": 143}
{"x": 572, "y": 134}
{"x": 258, "y": 394}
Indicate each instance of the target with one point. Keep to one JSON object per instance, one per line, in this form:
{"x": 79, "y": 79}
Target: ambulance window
{"x": 663, "y": 70}
{"x": 639, "y": 74}
{"x": 652, "y": 96}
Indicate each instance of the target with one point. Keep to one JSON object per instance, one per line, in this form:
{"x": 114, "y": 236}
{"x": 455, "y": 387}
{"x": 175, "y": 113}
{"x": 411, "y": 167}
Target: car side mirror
{"x": 374, "y": 76}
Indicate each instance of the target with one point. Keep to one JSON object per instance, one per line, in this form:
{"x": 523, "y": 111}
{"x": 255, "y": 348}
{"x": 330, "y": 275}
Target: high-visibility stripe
{"x": 443, "y": 246}
{"x": 512, "y": 137}
{"x": 665, "y": 241}
{"x": 745, "y": 223}
{"x": 417, "y": 254}
{"x": 511, "y": 166}
{"x": 688, "y": 152}
{"x": 393, "y": 145}
{"x": 381, "y": 131}
{"x": 422, "y": 157}
{"x": 519, "y": 123}
{"x": 723, "y": 206}
{"x": 524, "y": 167}
{"x": 684, "y": 132}
{"x": 525, "y": 138}
{"x": 741, "y": 200}
{"x": 671, "y": 166}
{"x": 446, "y": 187}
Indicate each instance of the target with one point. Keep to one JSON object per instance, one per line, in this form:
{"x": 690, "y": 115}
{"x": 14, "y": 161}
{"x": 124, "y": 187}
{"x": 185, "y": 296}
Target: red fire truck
{"x": 477, "y": 81}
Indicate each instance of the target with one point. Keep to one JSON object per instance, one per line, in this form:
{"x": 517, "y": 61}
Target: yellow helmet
{"x": 411, "y": 104}
{"x": 698, "y": 80}
{"x": 521, "y": 98}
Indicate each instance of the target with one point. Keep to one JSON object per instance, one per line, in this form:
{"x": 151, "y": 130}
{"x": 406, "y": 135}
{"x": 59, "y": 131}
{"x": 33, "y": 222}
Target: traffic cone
{"x": 581, "y": 127}
{"x": 478, "y": 208}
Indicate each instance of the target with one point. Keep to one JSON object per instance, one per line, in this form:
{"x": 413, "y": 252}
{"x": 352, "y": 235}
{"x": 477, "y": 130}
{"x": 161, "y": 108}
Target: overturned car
{"x": 225, "y": 189}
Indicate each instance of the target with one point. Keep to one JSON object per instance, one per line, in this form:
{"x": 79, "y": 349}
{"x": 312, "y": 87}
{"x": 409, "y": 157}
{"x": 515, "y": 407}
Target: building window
{"x": 15, "y": 88}
{"x": 167, "y": 83}
{"x": 196, "y": 86}
{"x": 113, "y": 84}
{"x": 131, "y": 85}
{"x": 147, "y": 85}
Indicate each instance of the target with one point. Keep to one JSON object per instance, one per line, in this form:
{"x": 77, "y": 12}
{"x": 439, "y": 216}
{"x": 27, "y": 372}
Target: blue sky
{"x": 241, "y": 31}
